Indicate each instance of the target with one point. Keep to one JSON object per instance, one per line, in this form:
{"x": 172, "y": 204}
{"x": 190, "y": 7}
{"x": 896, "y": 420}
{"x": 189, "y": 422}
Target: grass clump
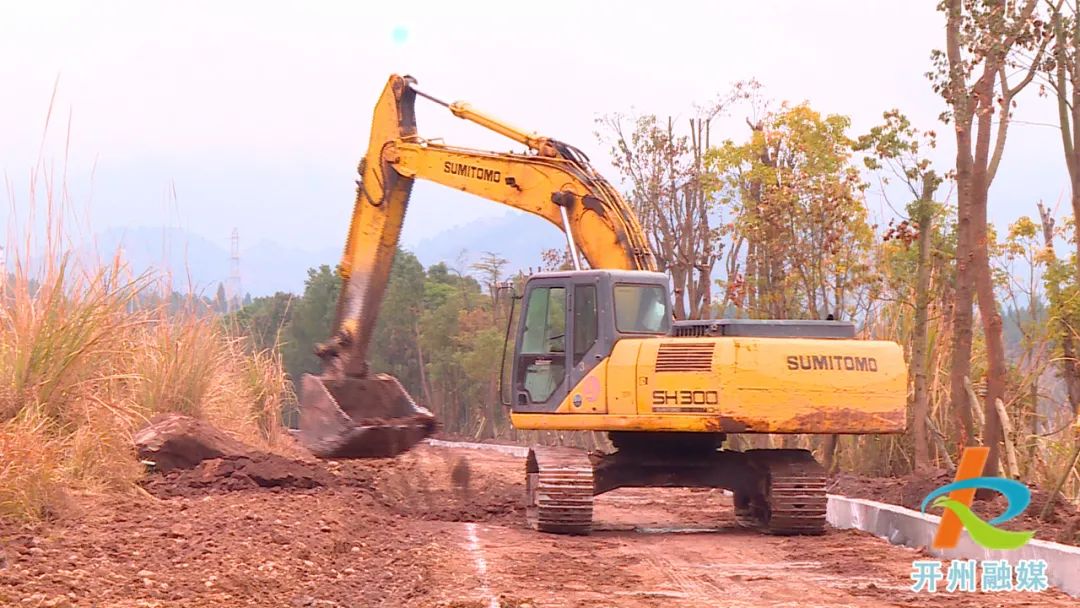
{"x": 90, "y": 352}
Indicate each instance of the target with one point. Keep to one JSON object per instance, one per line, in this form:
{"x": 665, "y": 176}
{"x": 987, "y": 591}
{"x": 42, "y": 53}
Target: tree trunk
{"x": 963, "y": 122}
{"x": 1071, "y": 366}
{"x": 976, "y": 166}
{"x": 963, "y": 300}
{"x": 1067, "y": 75}
{"x": 1068, "y": 365}
{"x": 424, "y": 388}
{"x": 984, "y": 285}
{"x": 679, "y": 284}
{"x": 829, "y": 449}
{"x": 751, "y": 280}
{"x": 920, "y": 337}
{"x": 996, "y": 369}
{"x": 1071, "y": 137}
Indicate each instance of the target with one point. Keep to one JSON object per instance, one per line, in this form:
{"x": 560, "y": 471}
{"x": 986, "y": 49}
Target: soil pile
{"x": 259, "y": 470}
{"x": 263, "y": 530}
{"x": 175, "y": 441}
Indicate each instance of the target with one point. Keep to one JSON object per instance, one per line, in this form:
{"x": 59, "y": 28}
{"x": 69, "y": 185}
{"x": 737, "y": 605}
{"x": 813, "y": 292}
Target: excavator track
{"x": 559, "y": 491}
{"x": 791, "y": 494}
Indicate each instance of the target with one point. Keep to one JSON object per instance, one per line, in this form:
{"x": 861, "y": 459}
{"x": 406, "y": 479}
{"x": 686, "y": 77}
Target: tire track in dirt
{"x": 697, "y": 586}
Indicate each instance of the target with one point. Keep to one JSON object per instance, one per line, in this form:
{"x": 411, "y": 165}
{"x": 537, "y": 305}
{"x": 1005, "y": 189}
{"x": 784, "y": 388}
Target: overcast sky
{"x": 257, "y": 112}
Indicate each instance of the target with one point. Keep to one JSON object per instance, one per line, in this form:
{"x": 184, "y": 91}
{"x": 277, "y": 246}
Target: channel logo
{"x": 955, "y": 498}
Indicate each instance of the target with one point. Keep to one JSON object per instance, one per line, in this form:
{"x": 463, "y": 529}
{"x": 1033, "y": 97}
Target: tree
{"x": 395, "y": 342}
{"x": 670, "y": 193}
{"x": 896, "y": 146}
{"x": 490, "y": 267}
{"x": 982, "y": 42}
{"x": 1024, "y": 263}
{"x": 221, "y": 306}
{"x": 265, "y": 320}
{"x": 795, "y": 200}
{"x": 311, "y": 322}
{"x": 460, "y": 344}
{"x": 1063, "y": 70}
{"x": 556, "y": 260}
{"x": 1061, "y": 290}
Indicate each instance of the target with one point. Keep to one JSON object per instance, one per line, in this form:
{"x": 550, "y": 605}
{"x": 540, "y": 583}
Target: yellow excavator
{"x": 597, "y": 349}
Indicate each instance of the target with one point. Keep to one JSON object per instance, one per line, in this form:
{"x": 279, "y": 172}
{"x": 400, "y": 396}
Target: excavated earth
{"x": 436, "y": 527}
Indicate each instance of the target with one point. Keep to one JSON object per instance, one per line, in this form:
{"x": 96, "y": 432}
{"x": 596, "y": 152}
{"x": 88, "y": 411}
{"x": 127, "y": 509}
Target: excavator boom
{"x": 347, "y": 412}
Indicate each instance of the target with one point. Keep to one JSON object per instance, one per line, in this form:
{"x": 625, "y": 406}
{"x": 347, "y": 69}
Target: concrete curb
{"x": 510, "y": 450}
{"x": 898, "y": 526}
{"x": 910, "y": 528}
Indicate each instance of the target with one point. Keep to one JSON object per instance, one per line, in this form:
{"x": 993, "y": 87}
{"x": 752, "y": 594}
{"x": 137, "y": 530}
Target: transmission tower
{"x": 233, "y": 293}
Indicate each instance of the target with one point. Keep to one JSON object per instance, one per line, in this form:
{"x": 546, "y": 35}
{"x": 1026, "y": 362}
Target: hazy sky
{"x": 257, "y": 112}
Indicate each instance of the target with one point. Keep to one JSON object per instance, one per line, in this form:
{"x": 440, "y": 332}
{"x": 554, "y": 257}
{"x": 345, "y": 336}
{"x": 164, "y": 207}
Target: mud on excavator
{"x": 597, "y": 349}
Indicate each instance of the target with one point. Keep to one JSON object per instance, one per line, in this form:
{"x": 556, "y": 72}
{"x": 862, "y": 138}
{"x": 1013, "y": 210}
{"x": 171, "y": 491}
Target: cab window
{"x": 584, "y": 320}
{"x": 641, "y": 309}
{"x": 545, "y": 321}
{"x": 542, "y": 358}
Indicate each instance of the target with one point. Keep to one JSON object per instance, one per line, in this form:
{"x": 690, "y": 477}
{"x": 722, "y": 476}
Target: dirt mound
{"x": 1060, "y": 525}
{"x": 258, "y": 470}
{"x": 175, "y": 441}
{"x": 907, "y": 491}
{"x": 423, "y": 484}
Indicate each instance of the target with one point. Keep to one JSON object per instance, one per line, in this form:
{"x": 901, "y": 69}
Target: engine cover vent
{"x": 768, "y": 328}
{"x": 690, "y": 357}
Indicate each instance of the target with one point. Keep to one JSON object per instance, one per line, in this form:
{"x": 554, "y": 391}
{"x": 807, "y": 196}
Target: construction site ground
{"x": 435, "y": 527}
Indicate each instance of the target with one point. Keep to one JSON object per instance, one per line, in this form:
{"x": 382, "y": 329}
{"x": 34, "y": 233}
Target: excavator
{"x": 597, "y": 349}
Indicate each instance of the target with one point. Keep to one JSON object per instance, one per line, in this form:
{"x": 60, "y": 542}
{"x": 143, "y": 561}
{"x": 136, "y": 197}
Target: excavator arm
{"x": 597, "y": 223}
{"x": 348, "y": 412}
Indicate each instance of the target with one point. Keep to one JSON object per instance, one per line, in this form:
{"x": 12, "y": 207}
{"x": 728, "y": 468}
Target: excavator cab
{"x": 571, "y": 320}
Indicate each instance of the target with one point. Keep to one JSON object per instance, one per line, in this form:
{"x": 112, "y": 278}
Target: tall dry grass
{"x": 84, "y": 363}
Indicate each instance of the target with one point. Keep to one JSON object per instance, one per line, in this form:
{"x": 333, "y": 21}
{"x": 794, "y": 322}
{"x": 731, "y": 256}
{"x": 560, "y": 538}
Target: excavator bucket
{"x": 360, "y": 417}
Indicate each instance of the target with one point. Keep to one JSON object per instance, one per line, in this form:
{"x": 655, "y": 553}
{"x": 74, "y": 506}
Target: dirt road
{"x": 436, "y": 527}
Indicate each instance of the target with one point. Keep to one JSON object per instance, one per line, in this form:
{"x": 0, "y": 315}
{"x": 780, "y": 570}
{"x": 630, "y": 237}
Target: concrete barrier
{"x": 509, "y": 450}
{"x": 910, "y": 528}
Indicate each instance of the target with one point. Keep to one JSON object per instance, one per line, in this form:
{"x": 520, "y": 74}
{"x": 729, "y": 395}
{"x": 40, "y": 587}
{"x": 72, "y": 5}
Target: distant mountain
{"x": 519, "y": 237}
{"x": 192, "y": 260}
{"x": 268, "y": 267}
{"x": 199, "y": 264}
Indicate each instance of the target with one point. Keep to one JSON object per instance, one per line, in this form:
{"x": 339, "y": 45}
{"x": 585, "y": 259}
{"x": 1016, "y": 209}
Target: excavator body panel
{"x": 762, "y": 377}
